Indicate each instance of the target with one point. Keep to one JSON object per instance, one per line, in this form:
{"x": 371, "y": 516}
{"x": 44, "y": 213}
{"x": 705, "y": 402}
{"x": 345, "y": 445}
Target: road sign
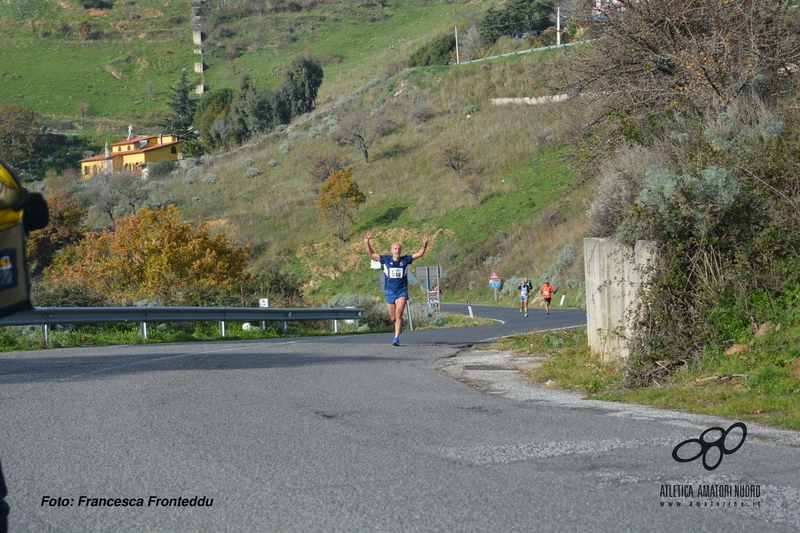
{"x": 429, "y": 272}
{"x": 494, "y": 283}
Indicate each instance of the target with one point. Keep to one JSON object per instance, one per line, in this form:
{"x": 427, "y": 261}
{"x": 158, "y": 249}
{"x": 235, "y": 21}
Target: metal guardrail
{"x": 47, "y": 316}
{"x": 528, "y": 51}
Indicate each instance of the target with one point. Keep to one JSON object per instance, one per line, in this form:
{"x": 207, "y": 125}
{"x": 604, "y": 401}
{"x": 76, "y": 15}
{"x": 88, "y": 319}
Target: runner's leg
{"x": 399, "y": 307}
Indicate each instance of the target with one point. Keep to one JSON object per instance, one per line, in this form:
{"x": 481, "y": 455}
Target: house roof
{"x": 135, "y": 140}
{"x": 94, "y": 158}
{"x": 130, "y": 152}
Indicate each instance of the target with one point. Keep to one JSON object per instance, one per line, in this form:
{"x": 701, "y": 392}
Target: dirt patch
{"x": 352, "y": 255}
{"x": 796, "y": 368}
{"x": 481, "y": 368}
{"x": 113, "y": 72}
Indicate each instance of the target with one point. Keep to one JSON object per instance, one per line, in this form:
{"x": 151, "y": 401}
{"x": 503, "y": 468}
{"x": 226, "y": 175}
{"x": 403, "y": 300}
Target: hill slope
{"x": 506, "y": 220}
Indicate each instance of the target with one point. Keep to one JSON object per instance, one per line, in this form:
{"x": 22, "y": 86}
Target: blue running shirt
{"x": 396, "y": 273}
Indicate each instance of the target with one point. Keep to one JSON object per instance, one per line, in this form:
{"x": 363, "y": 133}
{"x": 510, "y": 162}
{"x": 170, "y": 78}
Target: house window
{"x": 173, "y": 150}
{"x": 86, "y": 170}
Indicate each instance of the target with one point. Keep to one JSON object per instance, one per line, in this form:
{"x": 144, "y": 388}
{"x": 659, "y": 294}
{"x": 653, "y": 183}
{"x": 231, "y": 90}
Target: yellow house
{"x": 133, "y": 155}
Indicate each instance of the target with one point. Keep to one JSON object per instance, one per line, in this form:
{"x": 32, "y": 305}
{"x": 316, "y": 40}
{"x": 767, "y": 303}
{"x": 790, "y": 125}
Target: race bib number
{"x": 395, "y": 273}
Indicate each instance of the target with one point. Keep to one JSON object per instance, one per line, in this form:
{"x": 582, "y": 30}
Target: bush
{"x": 57, "y": 295}
{"x": 210, "y": 179}
{"x": 252, "y": 172}
{"x": 282, "y": 287}
{"x": 159, "y": 169}
{"x": 436, "y": 52}
{"x": 375, "y": 316}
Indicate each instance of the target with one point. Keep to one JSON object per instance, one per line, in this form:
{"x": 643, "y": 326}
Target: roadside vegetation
{"x": 759, "y": 381}
{"x": 23, "y": 338}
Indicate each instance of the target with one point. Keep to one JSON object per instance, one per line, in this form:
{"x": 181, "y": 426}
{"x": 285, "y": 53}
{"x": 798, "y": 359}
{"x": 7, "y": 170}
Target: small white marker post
{"x": 562, "y": 300}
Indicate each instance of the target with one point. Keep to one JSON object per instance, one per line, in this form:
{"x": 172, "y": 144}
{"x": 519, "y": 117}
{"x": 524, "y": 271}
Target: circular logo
{"x": 710, "y": 447}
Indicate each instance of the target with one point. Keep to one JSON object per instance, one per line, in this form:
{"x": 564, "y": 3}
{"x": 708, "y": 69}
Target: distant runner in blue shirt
{"x": 395, "y": 268}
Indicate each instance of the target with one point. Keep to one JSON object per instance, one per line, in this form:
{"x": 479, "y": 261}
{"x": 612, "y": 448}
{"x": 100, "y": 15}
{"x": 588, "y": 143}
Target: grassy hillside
{"x": 136, "y": 51}
{"x": 515, "y": 150}
{"x": 124, "y": 68}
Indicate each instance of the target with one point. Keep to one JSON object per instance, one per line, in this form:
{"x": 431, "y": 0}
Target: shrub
{"x": 421, "y": 112}
{"x": 63, "y": 295}
{"x": 375, "y": 316}
{"x": 159, "y": 169}
{"x": 252, "y": 172}
{"x": 210, "y": 179}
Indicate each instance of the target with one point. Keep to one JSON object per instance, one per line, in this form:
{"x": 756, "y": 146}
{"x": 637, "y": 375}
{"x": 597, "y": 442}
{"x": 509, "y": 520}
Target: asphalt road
{"x": 352, "y": 434}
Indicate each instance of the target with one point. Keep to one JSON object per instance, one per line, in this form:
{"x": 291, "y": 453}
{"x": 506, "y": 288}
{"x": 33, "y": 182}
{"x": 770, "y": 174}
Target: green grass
{"x": 127, "y": 74}
{"x": 761, "y": 385}
{"x": 23, "y": 338}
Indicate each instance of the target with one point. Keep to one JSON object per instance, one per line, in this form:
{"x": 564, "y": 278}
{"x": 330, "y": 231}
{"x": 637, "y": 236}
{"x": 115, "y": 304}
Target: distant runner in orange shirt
{"x": 547, "y": 294}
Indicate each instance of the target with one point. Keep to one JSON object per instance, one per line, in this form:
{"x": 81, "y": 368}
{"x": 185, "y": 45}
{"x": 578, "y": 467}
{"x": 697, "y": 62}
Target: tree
{"x": 65, "y": 229}
{"x": 84, "y": 30}
{"x": 492, "y": 25}
{"x": 254, "y": 110}
{"x": 282, "y": 287}
{"x": 655, "y": 62}
{"x": 360, "y": 130}
{"x": 209, "y": 117}
{"x": 183, "y": 107}
{"x": 452, "y": 154}
{"x": 131, "y": 189}
{"x": 301, "y": 83}
{"x": 471, "y": 43}
{"x": 18, "y": 134}
{"x": 527, "y": 15}
{"x": 153, "y": 255}
{"x": 101, "y": 194}
{"x": 339, "y": 195}
{"x": 322, "y": 166}
{"x": 474, "y": 185}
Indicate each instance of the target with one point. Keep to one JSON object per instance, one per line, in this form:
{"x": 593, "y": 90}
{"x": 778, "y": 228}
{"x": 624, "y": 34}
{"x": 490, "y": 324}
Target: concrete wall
{"x": 612, "y": 279}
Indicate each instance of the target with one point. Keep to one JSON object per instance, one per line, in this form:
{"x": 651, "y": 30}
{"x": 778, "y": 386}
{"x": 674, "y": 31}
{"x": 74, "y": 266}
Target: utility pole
{"x": 558, "y": 26}
{"x": 457, "y": 60}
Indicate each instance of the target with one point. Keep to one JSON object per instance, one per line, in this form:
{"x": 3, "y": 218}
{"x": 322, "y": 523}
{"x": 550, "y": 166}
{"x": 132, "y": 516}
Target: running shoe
{"x": 396, "y": 341}
{"x": 526, "y": 314}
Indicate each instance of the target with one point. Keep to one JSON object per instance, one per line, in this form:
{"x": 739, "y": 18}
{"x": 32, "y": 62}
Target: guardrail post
{"x": 221, "y": 328}
{"x": 143, "y": 330}
{"x": 335, "y": 326}
{"x": 44, "y": 334}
